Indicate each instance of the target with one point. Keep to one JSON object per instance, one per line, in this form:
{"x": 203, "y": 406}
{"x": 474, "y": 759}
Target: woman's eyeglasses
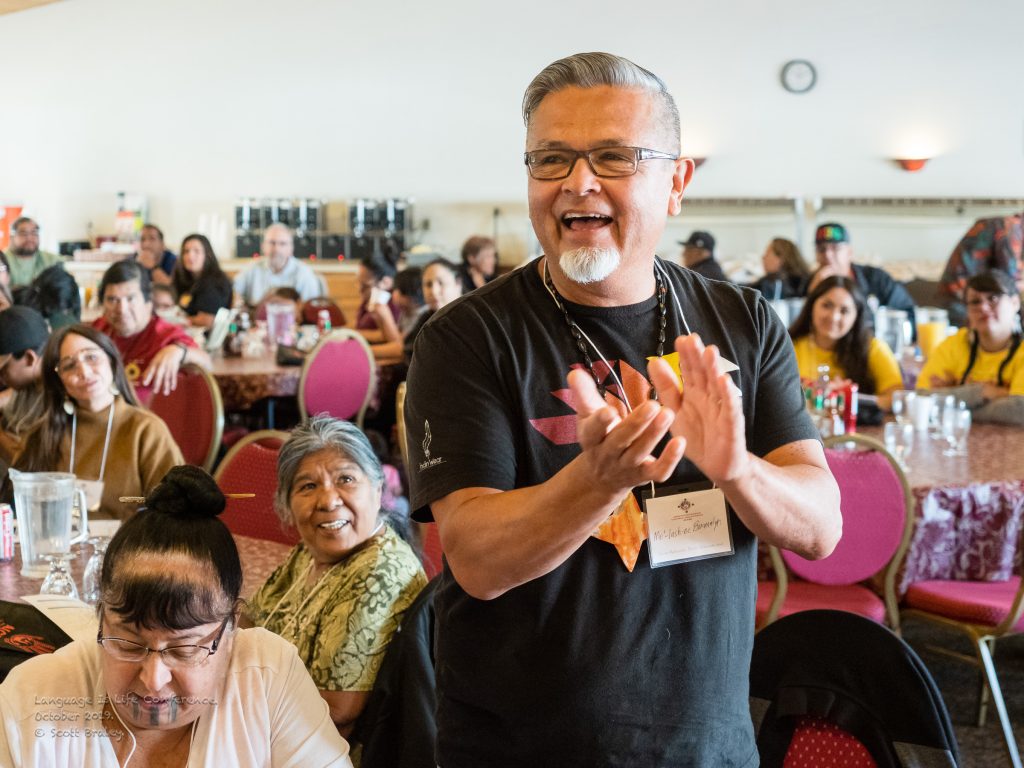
{"x": 90, "y": 357}
{"x": 189, "y": 655}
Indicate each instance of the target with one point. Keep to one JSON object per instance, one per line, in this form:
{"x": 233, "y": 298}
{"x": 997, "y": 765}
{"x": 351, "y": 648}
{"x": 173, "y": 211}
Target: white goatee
{"x": 589, "y": 265}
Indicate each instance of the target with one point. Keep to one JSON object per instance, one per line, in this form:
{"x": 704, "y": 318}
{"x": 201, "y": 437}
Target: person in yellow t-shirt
{"x": 832, "y": 329}
{"x": 983, "y": 364}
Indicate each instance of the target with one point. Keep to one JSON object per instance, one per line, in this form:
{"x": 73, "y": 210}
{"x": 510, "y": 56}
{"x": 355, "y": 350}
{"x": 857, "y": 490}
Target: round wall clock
{"x": 798, "y": 76}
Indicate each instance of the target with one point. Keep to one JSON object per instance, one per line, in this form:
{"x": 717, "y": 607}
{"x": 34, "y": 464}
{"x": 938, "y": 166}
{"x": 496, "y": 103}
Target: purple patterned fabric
{"x": 965, "y": 533}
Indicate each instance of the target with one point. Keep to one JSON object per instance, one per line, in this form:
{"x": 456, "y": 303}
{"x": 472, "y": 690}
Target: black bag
{"x": 290, "y": 355}
{"x": 25, "y": 632}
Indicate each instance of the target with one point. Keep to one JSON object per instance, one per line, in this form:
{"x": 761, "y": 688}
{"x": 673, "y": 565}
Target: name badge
{"x": 688, "y": 526}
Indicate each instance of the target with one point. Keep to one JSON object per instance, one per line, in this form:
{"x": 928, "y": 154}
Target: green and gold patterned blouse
{"x": 341, "y": 625}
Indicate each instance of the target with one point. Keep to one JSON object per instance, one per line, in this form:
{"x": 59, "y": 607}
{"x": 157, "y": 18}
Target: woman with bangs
{"x": 169, "y": 679}
{"x": 983, "y": 364}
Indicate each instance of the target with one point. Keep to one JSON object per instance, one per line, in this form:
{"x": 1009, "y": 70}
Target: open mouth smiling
{"x": 579, "y": 222}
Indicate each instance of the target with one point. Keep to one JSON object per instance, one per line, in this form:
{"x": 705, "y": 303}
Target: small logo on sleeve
{"x": 425, "y": 445}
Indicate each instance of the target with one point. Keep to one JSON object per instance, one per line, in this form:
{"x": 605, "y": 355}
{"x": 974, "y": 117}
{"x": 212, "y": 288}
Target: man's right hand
{"x": 618, "y": 450}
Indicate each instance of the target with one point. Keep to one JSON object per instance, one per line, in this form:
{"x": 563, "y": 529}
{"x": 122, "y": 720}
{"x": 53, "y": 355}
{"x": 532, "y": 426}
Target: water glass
{"x": 58, "y": 581}
{"x": 922, "y": 411}
{"x": 899, "y": 441}
{"x": 959, "y": 427}
{"x": 93, "y": 569}
{"x": 903, "y": 405}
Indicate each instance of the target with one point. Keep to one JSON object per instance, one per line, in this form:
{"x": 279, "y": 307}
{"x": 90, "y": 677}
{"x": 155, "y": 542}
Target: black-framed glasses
{"x": 605, "y": 162}
{"x": 991, "y": 299}
{"x": 189, "y": 655}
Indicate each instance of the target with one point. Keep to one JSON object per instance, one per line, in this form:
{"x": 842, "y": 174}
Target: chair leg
{"x": 985, "y": 656}
{"x": 983, "y": 692}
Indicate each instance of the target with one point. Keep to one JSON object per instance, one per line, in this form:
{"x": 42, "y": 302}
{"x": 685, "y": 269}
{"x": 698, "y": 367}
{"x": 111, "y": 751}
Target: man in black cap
{"x": 835, "y": 257}
{"x": 699, "y": 255}
{"x": 23, "y": 334}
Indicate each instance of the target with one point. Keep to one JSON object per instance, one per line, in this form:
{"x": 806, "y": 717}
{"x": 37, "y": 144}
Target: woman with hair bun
{"x": 169, "y": 679}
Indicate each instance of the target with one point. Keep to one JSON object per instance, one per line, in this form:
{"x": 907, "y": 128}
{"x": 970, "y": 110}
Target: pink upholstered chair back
{"x": 339, "y": 377}
{"x": 877, "y": 511}
{"x": 194, "y": 413}
{"x": 251, "y": 467}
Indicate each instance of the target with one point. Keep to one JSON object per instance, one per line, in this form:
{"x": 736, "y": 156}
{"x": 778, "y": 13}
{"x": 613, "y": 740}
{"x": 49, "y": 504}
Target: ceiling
{"x": 11, "y": 6}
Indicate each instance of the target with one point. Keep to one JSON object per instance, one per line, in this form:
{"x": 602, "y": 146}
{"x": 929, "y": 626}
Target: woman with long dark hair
{"x": 93, "y": 425}
{"x": 785, "y": 270}
{"x": 832, "y": 329}
{"x": 201, "y": 285}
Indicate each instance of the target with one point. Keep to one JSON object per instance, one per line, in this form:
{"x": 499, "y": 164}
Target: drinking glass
{"x": 58, "y": 581}
{"x": 93, "y": 569}
{"x": 899, "y": 441}
{"x": 903, "y": 405}
{"x": 959, "y": 429}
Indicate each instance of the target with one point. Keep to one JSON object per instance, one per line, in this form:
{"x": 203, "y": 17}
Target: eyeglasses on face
{"x": 189, "y": 655}
{"x": 605, "y": 162}
{"x": 27, "y": 232}
{"x": 91, "y": 357}
{"x": 991, "y": 299}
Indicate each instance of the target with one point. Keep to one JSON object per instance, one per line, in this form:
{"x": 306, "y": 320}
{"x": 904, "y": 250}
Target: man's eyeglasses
{"x": 90, "y": 357}
{"x": 27, "y": 232}
{"x": 173, "y": 656}
{"x": 605, "y": 162}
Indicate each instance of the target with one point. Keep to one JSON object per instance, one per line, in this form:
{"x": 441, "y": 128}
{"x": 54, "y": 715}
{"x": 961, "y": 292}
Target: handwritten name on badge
{"x": 688, "y": 526}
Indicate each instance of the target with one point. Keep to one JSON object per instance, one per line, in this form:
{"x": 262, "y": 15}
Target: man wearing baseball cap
{"x": 699, "y": 255}
{"x": 835, "y": 257}
{"x": 23, "y": 334}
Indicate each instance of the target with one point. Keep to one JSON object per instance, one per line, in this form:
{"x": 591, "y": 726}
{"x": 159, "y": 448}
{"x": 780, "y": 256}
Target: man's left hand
{"x": 162, "y": 373}
{"x": 708, "y": 410}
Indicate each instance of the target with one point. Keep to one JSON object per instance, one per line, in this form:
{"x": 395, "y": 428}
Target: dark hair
{"x": 285, "y": 292}
{"x": 53, "y": 292}
{"x": 410, "y": 282}
{"x": 42, "y": 444}
{"x": 440, "y": 261}
{"x": 380, "y": 265}
{"x": 21, "y": 220}
{"x": 851, "y": 350}
{"x": 155, "y": 228}
{"x": 474, "y": 245}
{"x": 164, "y": 288}
{"x": 179, "y": 522}
{"x": 792, "y": 261}
{"x": 124, "y": 272}
{"x": 184, "y": 281}
{"x": 992, "y": 281}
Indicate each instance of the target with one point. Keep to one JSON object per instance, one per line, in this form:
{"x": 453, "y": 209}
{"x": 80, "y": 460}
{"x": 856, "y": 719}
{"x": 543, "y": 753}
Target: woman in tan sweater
{"x": 93, "y": 425}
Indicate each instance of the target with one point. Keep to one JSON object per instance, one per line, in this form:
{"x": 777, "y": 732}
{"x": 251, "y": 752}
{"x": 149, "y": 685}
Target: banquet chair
{"x": 984, "y": 611}
{"x": 878, "y": 518}
{"x": 194, "y": 413}
{"x": 339, "y": 377}
{"x": 311, "y": 311}
{"x": 833, "y": 688}
{"x": 251, "y": 467}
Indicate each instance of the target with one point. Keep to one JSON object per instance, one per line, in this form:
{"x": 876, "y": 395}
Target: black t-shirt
{"x": 208, "y": 295}
{"x": 589, "y": 664}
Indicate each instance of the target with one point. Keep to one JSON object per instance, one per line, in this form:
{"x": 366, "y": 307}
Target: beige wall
{"x": 196, "y": 103}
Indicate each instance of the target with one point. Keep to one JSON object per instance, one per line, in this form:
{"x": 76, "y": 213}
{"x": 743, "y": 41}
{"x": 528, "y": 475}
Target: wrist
{"x": 184, "y": 351}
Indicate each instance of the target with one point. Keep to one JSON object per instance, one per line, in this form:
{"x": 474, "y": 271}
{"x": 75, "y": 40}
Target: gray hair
{"x": 319, "y": 433}
{"x": 588, "y": 70}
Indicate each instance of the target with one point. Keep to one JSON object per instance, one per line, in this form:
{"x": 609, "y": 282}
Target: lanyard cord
{"x": 106, "y": 440}
{"x": 316, "y": 587}
{"x": 580, "y": 335}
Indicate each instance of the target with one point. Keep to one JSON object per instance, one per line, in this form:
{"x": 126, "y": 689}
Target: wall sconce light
{"x": 912, "y": 165}
{"x": 698, "y": 161}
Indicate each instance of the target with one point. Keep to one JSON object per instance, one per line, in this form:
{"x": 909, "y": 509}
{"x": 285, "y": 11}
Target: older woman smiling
{"x": 341, "y": 593}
